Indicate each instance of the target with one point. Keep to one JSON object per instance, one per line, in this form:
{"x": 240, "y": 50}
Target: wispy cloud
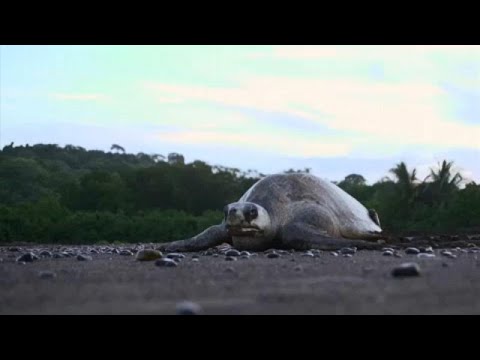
{"x": 405, "y": 113}
{"x": 79, "y": 97}
{"x": 269, "y": 143}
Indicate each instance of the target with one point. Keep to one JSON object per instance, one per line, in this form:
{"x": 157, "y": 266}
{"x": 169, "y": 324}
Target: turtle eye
{"x": 253, "y": 213}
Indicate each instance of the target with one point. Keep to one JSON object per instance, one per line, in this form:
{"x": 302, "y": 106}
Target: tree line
{"x": 53, "y": 194}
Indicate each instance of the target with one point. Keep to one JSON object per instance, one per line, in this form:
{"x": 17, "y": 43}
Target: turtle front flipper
{"x": 213, "y": 236}
{"x": 374, "y": 216}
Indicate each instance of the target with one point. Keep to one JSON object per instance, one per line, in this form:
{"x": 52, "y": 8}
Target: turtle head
{"x": 249, "y": 224}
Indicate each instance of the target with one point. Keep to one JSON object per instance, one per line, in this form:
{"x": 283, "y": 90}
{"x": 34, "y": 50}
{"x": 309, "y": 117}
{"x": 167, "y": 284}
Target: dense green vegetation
{"x": 50, "y": 194}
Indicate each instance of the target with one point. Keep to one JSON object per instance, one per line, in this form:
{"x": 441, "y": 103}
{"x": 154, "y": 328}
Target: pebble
{"x": 427, "y": 250}
{"x": 412, "y": 251}
{"x": 387, "y": 253}
{"x": 57, "y": 256}
{"x": 27, "y": 257}
{"x": 334, "y": 253}
{"x": 231, "y": 258}
{"x": 13, "y": 249}
{"x": 406, "y": 269}
{"x": 426, "y": 255}
{"x": 195, "y": 260}
{"x": 126, "y": 253}
{"x": 273, "y": 255}
{"x": 46, "y": 253}
{"x": 308, "y": 254}
{"x": 245, "y": 253}
{"x": 448, "y": 254}
{"x": 175, "y": 256}
{"x": 188, "y": 308}
{"x": 347, "y": 250}
{"x": 347, "y": 255}
{"x": 165, "y": 262}
{"x": 388, "y": 249}
{"x": 232, "y": 252}
{"x": 148, "y": 255}
{"x": 84, "y": 258}
{"x": 244, "y": 257}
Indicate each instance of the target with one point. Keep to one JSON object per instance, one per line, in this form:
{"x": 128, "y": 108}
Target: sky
{"x": 334, "y": 109}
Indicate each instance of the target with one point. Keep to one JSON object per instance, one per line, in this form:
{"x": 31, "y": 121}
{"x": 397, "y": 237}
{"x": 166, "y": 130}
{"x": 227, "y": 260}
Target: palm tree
{"x": 405, "y": 181}
{"x": 443, "y": 184}
{"x": 117, "y": 148}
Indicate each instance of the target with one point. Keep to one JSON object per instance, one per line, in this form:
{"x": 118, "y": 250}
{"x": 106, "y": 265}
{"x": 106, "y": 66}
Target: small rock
{"x": 13, "y": 249}
{"x": 93, "y": 251}
{"x": 347, "y": 255}
{"x": 307, "y": 254}
{"x": 231, "y": 258}
{"x": 245, "y": 253}
{"x": 47, "y": 275}
{"x": 165, "y": 262}
{"x": 412, "y": 251}
{"x": 388, "y": 253}
{"x": 283, "y": 252}
{"x": 126, "y": 253}
{"x": 84, "y": 258}
{"x": 208, "y": 252}
{"x": 27, "y": 257}
{"x": 427, "y": 250}
{"x": 253, "y": 255}
{"x": 448, "y": 254}
{"x": 244, "y": 257}
{"x": 176, "y": 256}
{"x": 57, "y": 256}
{"x": 425, "y": 255}
{"x": 347, "y": 250}
{"x": 46, "y": 253}
{"x": 232, "y": 252}
{"x": 334, "y": 253}
{"x": 273, "y": 255}
{"x": 388, "y": 249}
{"x": 406, "y": 269}
{"x": 215, "y": 255}
{"x": 195, "y": 260}
{"x": 397, "y": 255}
{"x": 148, "y": 255}
{"x": 188, "y": 308}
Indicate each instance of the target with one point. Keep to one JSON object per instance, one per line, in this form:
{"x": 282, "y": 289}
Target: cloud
{"x": 408, "y": 113}
{"x": 269, "y": 143}
{"x": 359, "y": 52}
{"x": 79, "y": 97}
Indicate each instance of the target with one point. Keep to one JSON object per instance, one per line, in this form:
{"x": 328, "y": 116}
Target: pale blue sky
{"x": 335, "y": 109}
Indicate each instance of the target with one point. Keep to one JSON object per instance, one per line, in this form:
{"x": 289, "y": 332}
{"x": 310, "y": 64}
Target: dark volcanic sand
{"x": 362, "y": 284}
